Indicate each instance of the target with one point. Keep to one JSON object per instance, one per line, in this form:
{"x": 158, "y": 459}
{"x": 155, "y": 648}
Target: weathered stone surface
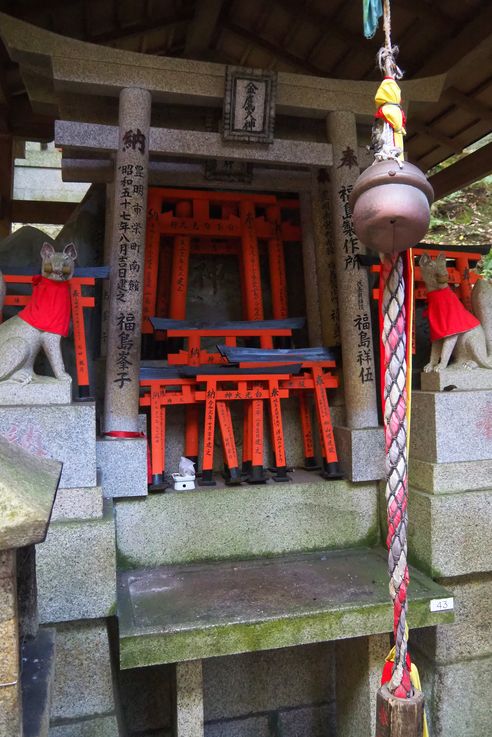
{"x": 38, "y": 664}
{"x": 42, "y": 390}
{"x": 81, "y": 503}
{"x": 83, "y": 682}
{"x": 457, "y": 697}
{"x": 64, "y": 433}
{"x": 448, "y": 533}
{"x": 180, "y": 613}
{"x": 255, "y": 726}
{"x": 76, "y": 570}
{"x": 361, "y": 452}
{"x": 123, "y": 466}
{"x": 189, "y": 699}
{"x": 27, "y": 490}
{"x": 10, "y": 711}
{"x": 275, "y": 679}
{"x": 470, "y": 635}
{"x": 312, "y": 721}
{"x": 452, "y": 426}
{"x": 358, "y": 676}
{"x": 246, "y": 521}
{"x": 106, "y": 726}
{"x": 461, "y": 379}
{"x": 445, "y": 478}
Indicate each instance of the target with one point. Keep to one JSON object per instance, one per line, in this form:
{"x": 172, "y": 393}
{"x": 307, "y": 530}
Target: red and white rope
{"x": 395, "y": 422}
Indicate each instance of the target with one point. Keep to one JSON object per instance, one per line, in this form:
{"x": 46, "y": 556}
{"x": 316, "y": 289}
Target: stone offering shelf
{"x": 177, "y": 613}
{"x": 83, "y": 277}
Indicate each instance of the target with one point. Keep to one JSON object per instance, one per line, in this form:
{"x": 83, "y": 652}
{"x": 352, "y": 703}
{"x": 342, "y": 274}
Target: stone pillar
{"x": 127, "y": 262}
{"x": 360, "y": 444}
{"x": 353, "y": 291}
{"x": 359, "y": 666}
{"x": 189, "y": 699}
{"x": 311, "y": 285}
{"x": 10, "y": 687}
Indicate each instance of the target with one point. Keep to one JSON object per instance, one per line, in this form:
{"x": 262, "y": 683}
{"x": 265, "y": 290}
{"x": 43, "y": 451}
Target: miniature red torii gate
{"x": 236, "y": 232}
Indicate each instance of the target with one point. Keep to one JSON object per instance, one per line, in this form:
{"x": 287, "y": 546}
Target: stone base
{"x": 123, "y": 466}
{"x": 461, "y": 379}
{"x": 447, "y": 478}
{"x": 76, "y": 569}
{"x": 448, "y": 534}
{"x": 63, "y": 432}
{"x": 41, "y": 390}
{"x": 450, "y": 427}
{"x": 83, "y": 684}
{"x": 78, "y": 504}
{"x": 361, "y": 452}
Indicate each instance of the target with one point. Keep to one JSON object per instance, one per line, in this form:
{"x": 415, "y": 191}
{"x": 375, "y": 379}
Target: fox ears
{"x": 70, "y": 251}
{"x": 47, "y": 251}
{"x": 426, "y": 260}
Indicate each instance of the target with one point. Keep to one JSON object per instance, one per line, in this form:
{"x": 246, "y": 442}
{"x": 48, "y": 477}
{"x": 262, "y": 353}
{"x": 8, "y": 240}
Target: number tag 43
{"x": 442, "y": 605}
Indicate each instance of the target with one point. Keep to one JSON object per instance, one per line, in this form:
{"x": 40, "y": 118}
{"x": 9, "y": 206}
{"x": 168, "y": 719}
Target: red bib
{"x": 446, "y": 314}
{"x": 49, "y": 309}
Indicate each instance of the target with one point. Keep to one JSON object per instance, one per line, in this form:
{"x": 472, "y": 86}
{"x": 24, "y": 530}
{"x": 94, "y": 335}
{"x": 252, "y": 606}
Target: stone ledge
{"x": 42, "y": 390}
{"x": 449, "y": 478}
{"x": 79, "y": 503}
{"x": 181, "y": 613}
{"x": 460, "y": 379}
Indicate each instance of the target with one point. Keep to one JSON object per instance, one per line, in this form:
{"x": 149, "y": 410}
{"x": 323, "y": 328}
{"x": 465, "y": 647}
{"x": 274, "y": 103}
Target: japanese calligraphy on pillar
{"x": 130, "y": 225}
{"x": 351, "y": 246}
{"x": 249, "y": 105}
{"x": 364, "y": 351}
{"x": 326, "y": 226}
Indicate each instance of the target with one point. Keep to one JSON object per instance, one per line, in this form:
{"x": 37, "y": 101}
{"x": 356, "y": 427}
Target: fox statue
{"x": 42, "y": 323}
{"x": 456, "y": 332}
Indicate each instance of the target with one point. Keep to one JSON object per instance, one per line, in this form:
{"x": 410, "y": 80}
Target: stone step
{"x": 38, "y": 671}
{"x": 186, "y": 612}
{"x": 309, "y": 513}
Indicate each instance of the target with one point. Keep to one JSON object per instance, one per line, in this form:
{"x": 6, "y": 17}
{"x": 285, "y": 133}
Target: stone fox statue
{"x": 42, "y": 322}
{"x": 454, "y": 330}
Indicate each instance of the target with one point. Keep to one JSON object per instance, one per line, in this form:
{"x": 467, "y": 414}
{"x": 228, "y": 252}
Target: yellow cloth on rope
{"x": 388, "y": 102}
{"x": 414, "y": 678}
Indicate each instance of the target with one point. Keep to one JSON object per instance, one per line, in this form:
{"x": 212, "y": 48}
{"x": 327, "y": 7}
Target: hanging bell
{"x": 390, "y": 205}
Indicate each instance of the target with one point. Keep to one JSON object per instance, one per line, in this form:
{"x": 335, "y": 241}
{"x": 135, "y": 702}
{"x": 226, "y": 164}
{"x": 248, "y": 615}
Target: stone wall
{"x": 276, "y": 693}
{"x": 450, "y": 510}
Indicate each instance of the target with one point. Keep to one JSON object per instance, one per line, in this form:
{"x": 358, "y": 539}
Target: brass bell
{"x": 391, "y": 206}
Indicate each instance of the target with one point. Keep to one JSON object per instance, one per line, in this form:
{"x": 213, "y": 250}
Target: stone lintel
{"x": 70, "y": 65}
{"x": 361, "y": 452}
{"x": 195, "y": 144}
{"x": 461, "y": 379}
